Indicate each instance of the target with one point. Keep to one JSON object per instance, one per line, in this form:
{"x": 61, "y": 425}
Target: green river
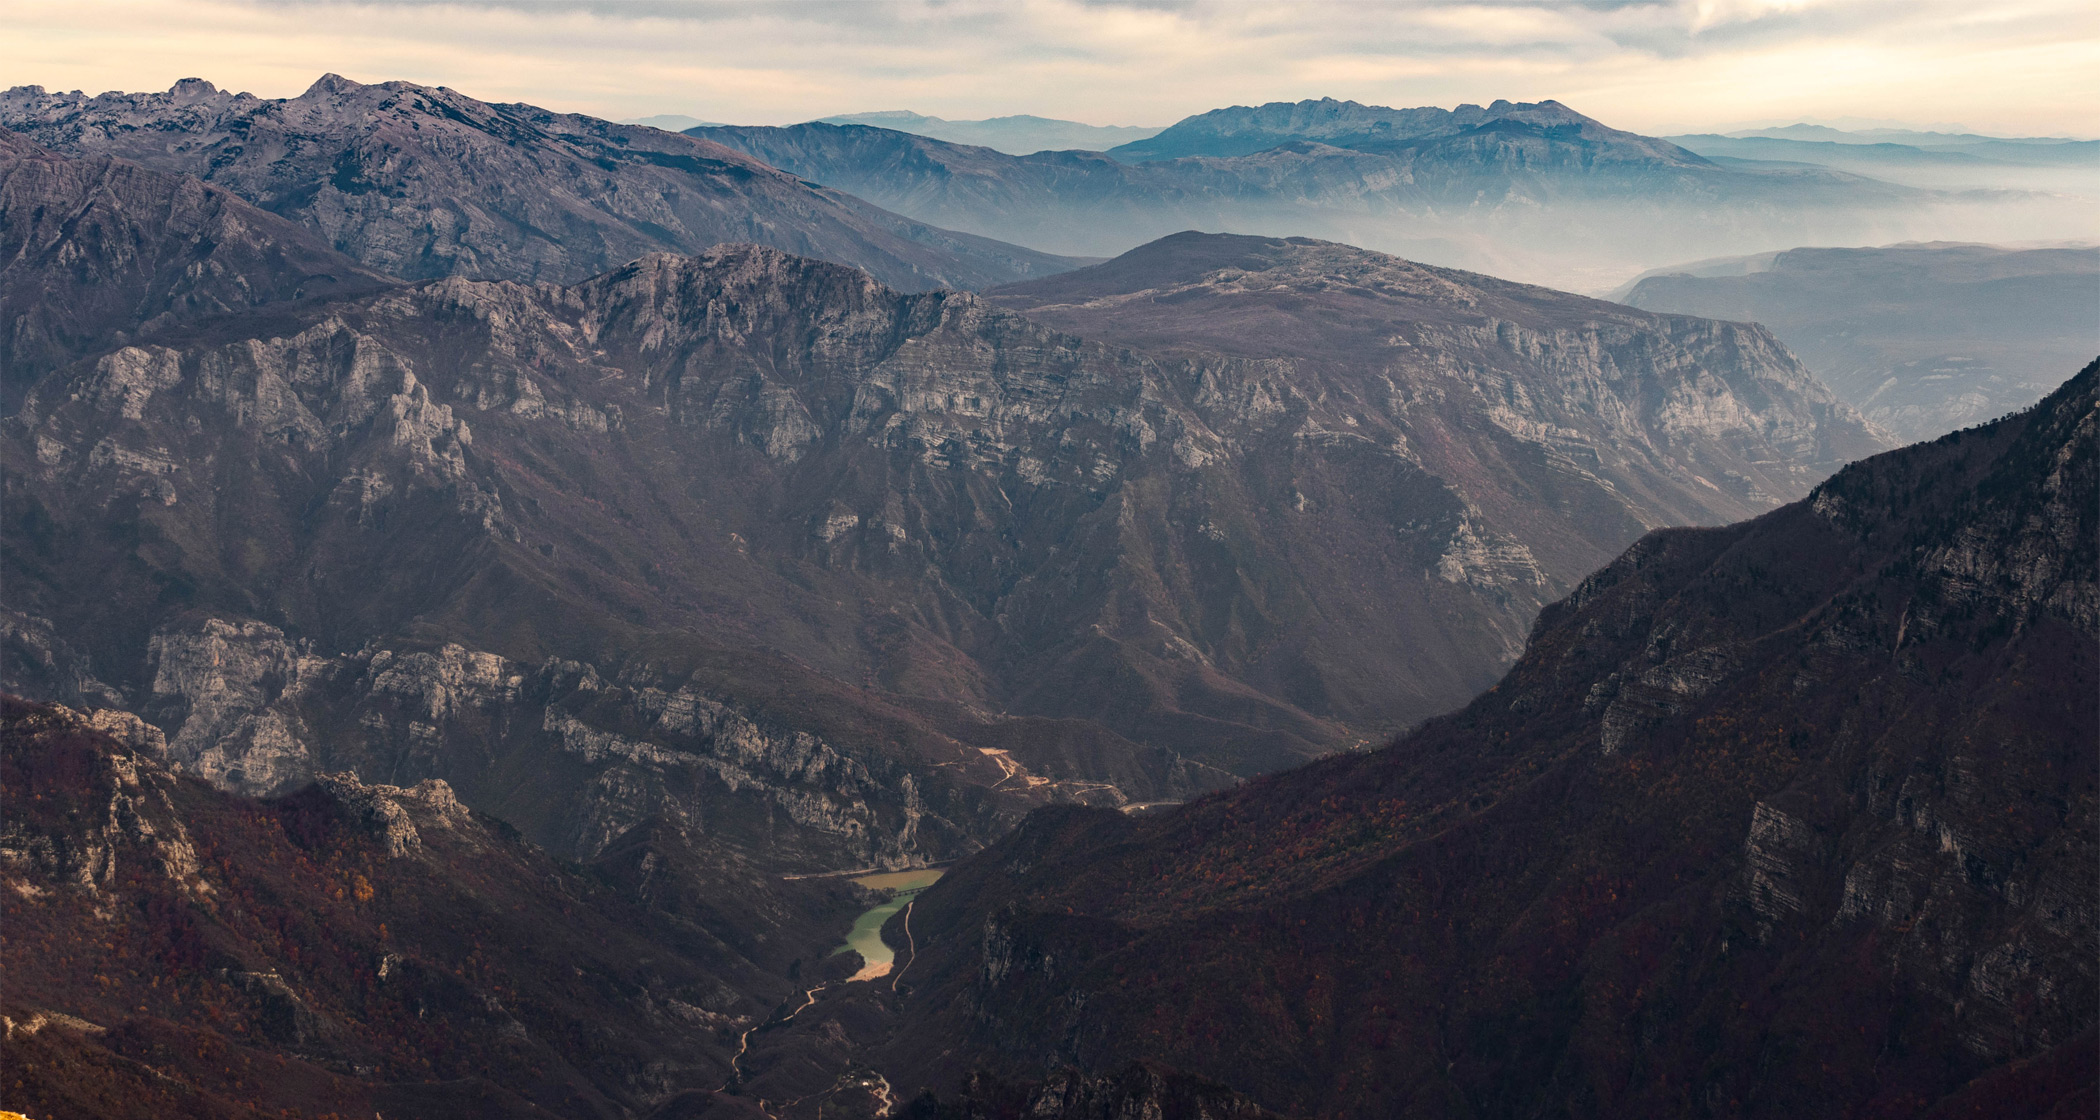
{"x": 866, "y": 935}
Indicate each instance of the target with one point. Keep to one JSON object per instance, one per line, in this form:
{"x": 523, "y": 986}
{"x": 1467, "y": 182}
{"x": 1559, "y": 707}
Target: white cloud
{"x": 2018, "y": 66}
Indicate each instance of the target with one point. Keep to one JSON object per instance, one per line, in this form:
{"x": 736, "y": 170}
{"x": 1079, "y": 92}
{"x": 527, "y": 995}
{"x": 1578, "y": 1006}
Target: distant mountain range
{"x": 1533, "y": 190}
{"x": 1492, "y": 133}
{"x": 1911, "y": 137}
{"x": 1923, "y": 338}
{"x": 1015, "y": 135}
{"x": 2080, "y": 154}
{"x": 671, "y": 122}
{"x": 1924, "y": 159}
{"x": 423, "y": 182}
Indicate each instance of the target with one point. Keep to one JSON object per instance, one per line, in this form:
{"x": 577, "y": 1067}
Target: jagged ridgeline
{"x": 423, "y": 182}
{"x": 1795, "y": 817}
{"x": 849, "y": 576}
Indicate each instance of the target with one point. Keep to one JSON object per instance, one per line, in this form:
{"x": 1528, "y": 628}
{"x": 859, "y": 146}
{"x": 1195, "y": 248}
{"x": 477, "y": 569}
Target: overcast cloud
{"x": 2019, "y": 66}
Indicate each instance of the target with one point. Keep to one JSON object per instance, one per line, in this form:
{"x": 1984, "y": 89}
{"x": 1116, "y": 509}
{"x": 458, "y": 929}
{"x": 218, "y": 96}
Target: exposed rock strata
{"x": 576, "y": 759}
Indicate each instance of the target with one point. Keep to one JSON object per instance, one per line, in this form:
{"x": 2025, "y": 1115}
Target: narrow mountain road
{"x": 911, "y": 946}
{"x": 743, "y": 1041}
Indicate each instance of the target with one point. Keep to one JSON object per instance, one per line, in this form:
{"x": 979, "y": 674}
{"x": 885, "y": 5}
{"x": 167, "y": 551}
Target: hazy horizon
{"x": 2027, "y": 69}
{"x": 661, "y": 112}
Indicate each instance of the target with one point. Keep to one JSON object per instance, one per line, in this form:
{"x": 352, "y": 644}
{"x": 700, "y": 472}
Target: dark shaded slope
{"x": 1139, "y": 1089}
{"x": 1793, "y": 818}
{"x": 100, "y": 251}
{"x": 1923, "y": 338}
{"x": 175, "y": 951}
{"x": 426, "y": 182}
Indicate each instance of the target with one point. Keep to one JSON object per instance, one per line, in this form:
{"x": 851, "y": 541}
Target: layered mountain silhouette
{"x": 853, "y": 576}
{"x": 1923, "y": 338}
{"x": 424, "y": 182}
{"x": 1917, "y": 158}
{"x": 670, "y": 122}
{"x": 1535, "y": 189}
{"x": 1790, "y": 818}
{"x": 1910, "y": 137}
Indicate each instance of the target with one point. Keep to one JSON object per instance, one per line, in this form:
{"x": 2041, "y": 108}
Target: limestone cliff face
{"x": 575, "y": 759}
{"x": 953, "y": 563}
{"x": 1790, "y": 818}
{"x": 424, "y": 182}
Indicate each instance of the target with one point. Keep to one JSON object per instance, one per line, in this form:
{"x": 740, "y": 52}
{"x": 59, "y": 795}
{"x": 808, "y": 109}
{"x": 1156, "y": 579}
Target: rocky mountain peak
{"x": 192, "y": 90}
{"x": 332, "y": 85}
{"x": 1329, "y": 310}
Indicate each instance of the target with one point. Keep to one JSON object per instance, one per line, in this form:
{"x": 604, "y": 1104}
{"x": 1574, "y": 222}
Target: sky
{"x": 2010, "y": 67}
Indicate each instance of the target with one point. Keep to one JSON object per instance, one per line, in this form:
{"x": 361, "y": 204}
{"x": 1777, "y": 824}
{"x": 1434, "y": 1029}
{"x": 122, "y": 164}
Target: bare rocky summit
{"x": 422, "y": 182}
{"x": 1566, "y": 425}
